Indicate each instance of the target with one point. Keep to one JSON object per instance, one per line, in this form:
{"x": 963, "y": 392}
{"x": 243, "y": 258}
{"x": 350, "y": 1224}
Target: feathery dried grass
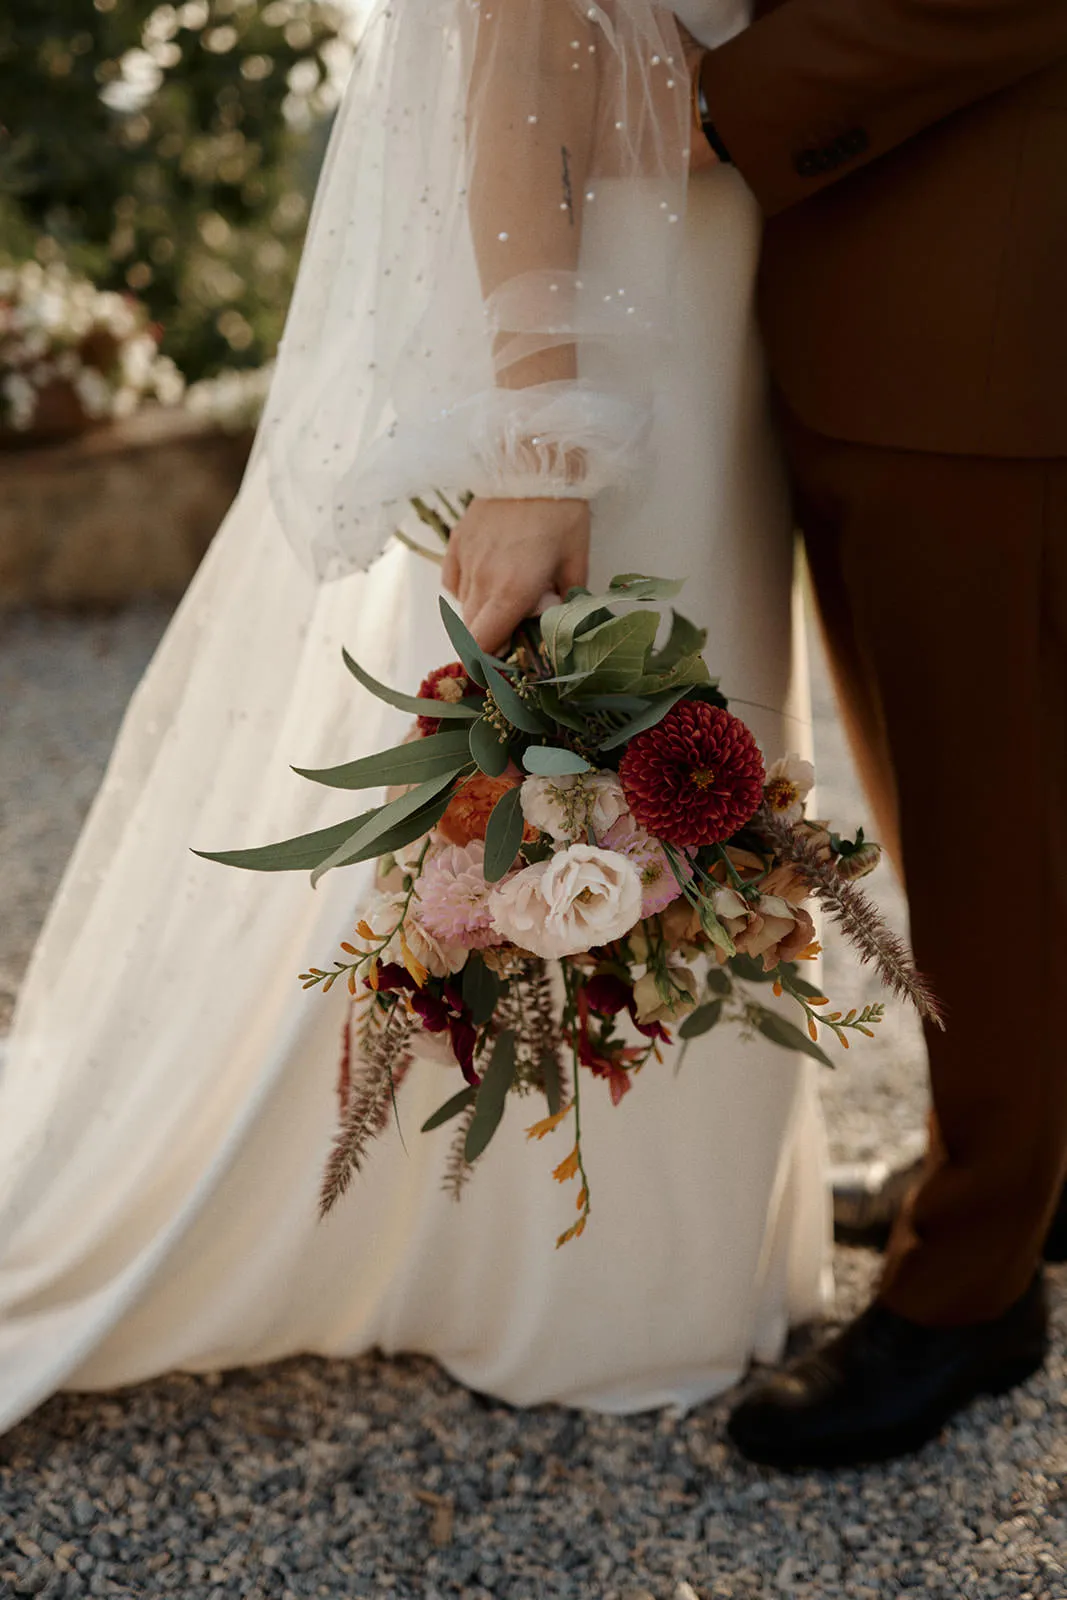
{"x": 860, "y": 921}
{"x": 386, "y": 1056}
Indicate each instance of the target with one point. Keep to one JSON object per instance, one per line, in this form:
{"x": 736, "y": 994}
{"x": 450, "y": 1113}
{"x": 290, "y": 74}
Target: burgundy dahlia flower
{"x": 449, "y": 683}
{"x": 696, "y": 777}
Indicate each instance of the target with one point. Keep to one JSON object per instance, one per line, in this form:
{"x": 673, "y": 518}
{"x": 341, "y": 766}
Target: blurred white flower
{"x": 787, "y": 786}
{"x": 568, "y": 806}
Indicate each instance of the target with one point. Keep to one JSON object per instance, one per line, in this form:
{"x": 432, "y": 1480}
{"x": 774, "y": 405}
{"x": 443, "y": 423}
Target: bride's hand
{"x": 504, "y": 556}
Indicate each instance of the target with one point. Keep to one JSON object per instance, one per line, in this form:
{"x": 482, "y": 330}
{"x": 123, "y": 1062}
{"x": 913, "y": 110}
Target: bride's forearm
{"x": 530, "y": 126}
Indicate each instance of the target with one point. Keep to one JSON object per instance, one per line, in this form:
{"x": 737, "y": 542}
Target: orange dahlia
{"x": 696, "y": 777}
{"x": 472, "y": 805}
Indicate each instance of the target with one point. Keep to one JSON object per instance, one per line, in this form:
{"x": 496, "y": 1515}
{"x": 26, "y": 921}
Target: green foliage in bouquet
{"x": 167, "y": 150}
{"x": 584, "y": 804}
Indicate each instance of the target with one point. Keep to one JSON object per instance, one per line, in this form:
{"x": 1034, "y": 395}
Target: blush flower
{"x": 581, "y": 898}
{"x": 567, "y": 806}
{"x": 453, "y": 897}
{"x": 696, "y": 777}
{"x": 659, "y": 886}
{"x": 772, "y": 929}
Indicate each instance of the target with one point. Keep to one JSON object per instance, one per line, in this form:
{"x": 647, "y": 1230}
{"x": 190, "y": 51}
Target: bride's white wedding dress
{"x": 168, "y": 1096}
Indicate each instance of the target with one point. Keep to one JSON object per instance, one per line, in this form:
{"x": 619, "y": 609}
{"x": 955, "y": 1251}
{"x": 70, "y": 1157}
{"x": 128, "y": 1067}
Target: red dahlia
{"x": 696, "y": 777}
{"x": 444, "y": 683}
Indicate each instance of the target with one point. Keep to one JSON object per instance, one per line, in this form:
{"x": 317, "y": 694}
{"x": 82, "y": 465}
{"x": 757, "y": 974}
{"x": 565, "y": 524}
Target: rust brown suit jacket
{"x": 911, "y": 158}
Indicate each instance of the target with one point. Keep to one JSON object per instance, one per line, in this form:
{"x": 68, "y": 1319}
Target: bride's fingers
{"x": 496, "y": 619}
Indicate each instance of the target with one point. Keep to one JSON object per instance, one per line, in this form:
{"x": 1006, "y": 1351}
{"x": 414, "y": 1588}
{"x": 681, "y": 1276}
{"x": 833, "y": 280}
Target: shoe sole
{"x": 902, "y": 1441}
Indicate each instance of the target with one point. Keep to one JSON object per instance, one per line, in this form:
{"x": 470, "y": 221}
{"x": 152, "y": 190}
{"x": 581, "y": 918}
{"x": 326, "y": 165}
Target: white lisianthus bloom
{"x": 568, "y": 806}
{"x": 788, "y": 784}
{"x": 582, "y": 897}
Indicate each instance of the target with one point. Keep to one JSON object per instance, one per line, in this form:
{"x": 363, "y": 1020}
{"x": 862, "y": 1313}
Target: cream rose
{"x": 567, "y": 806}
{"x": 583, "y": 896}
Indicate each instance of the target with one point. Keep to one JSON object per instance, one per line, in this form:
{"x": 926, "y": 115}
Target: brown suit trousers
{"x": 911, "y": 156}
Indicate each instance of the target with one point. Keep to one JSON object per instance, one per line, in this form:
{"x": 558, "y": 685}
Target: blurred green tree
{"x": 170, "y": 150}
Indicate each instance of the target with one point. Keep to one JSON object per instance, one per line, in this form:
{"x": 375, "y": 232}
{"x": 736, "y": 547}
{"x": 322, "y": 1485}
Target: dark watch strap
{"x": 711, "y": 132}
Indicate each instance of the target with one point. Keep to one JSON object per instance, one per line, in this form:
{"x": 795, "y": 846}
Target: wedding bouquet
{"x": 582, "y": 850}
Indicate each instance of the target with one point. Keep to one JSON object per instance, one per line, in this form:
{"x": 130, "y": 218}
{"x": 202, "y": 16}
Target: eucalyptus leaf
{"x": 515, "y": 709}
{"x": 438, "y": 756}
{"x": 790, "y": 1037}
{"x": 466, "y": 646}
{"x": 503, "y": 834}
{"x": 638, "y": 586}
{"x": 375, "y": 836}
{"x": 559, "y": 624}
{"x": 614, "y": 654}
{"x": 801, "y": 985}
{"x": 481, "y": 989}
{"x": 702, "y": 1020}
{"x": 552, "y": 761}
{"x": 751, "y": 970}
{"x": 684, "y": 639}
{"x": 299, "y": 854}
{"x": 451, "y": 1108}
{"x": 487, "y": 748}
{"x": 717, "y": 982}
{"x": 553, "y": 707}
{"x": 492, "y": 1094}
{"x": 443, "y": 709}
{"x": 691, "y": 670}
{"x": 648, "y": 718}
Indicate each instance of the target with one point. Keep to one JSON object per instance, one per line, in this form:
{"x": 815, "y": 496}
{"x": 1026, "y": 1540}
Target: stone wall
{"x": 120, "y": 513}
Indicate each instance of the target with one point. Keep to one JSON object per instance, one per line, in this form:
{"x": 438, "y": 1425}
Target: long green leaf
{"x": 779, "y": 1031}
{"x": 467, "y": 647}
{"x": 700, "y": 1021}
{"x": 684, "y": 639}
{"x": 638, "y": 586}
{"x": 489, "y": 1106}
{"x": 487, "y": 748}
{"x": 371, "y": 837}
{"x": 481, "y": 989}
{"x": 463, "y": 710}
{"x": 437, "y": 756}
{"x": 552, "y": 761}
{"x": 515, "y": 709}
{"x": 300, "y": 854}
{"x": 648, "y": 718}
{"x": 451, "y": 1108}
{"x": 503, "y": 835}
{"x": 552, "y": 705}
{"x": 614, "y": 654}
{"x": 687, "y": 673}
{"x": 751, "y": 970}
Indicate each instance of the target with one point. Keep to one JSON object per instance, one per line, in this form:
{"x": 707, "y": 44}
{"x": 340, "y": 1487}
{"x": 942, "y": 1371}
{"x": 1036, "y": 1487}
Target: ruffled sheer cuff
{"x": 488, "y": 284}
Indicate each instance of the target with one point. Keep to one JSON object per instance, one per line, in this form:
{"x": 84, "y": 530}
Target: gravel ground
{"x": 374, "y": 1479}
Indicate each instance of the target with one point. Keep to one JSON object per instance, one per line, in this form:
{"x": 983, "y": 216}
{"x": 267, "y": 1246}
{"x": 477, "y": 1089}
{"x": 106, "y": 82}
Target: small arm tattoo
{"x": 568, "y": 187}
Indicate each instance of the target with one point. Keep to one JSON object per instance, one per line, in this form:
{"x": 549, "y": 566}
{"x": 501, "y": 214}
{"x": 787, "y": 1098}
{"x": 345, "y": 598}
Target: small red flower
{"x": 696, "y": 777}
{"x": 456, "y": 685}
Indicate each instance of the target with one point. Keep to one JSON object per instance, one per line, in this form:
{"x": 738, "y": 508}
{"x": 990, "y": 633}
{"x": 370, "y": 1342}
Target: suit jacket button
{"x": 809, "y": 163}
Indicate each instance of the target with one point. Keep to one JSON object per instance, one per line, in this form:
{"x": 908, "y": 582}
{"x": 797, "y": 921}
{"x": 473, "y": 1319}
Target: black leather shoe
{"x": 1056, "y": 1241}
{"x": 885, "y": 1386}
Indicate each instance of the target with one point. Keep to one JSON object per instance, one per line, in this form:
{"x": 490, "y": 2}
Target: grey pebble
{"x": 302, "y": 1478}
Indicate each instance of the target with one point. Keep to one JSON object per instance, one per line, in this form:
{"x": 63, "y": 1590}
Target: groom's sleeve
{"x": 818, "y": 88}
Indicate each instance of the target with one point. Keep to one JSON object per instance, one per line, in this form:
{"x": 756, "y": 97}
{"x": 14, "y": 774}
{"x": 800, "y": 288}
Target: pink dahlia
{"x": 449, "y": 683}
{"x": 453, "y": 897}
{"x": 696, "y": 777}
